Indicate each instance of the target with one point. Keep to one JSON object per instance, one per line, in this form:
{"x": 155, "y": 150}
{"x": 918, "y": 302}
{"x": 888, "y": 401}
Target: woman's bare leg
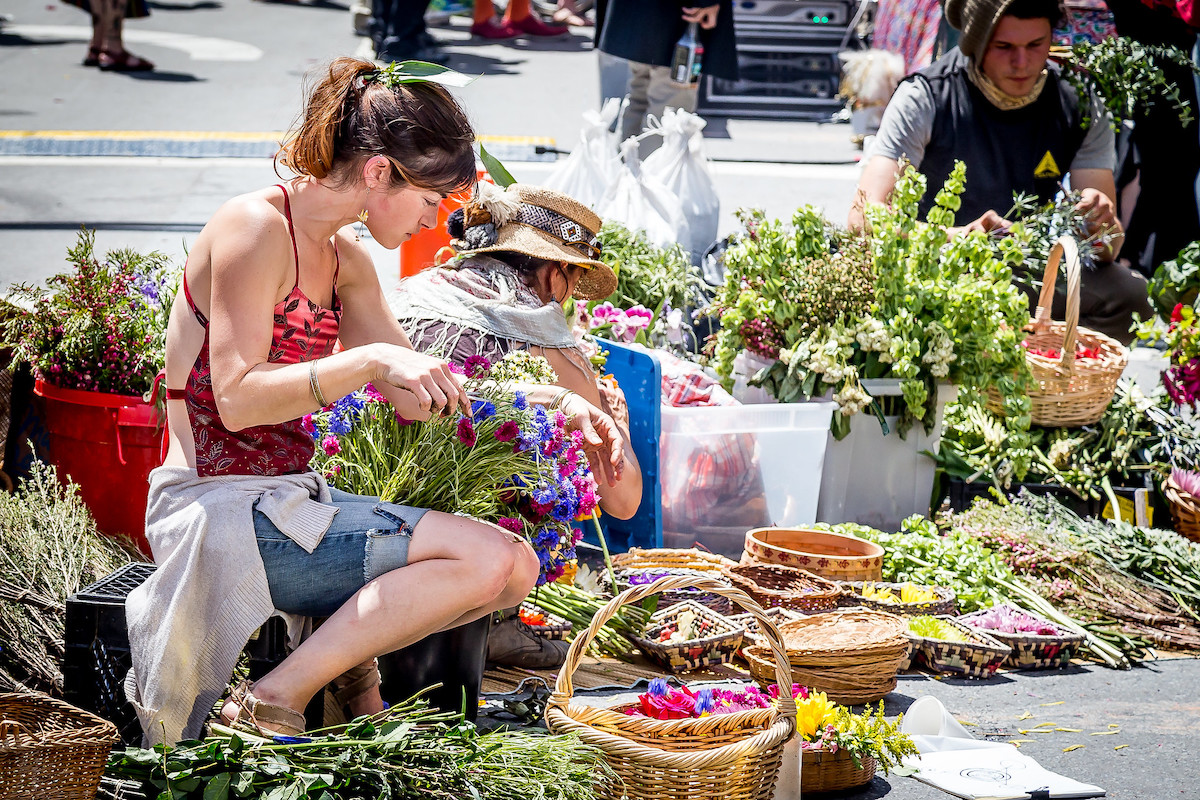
{"x": 459, "y": 569}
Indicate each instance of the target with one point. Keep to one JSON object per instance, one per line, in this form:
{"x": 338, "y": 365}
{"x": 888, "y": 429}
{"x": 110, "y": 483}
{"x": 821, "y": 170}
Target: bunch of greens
{"x": 1125, "y": 75}
{"x": 662, "y": 280}
{"x": 409, "y": 751}
{"x": 910, "y": 305}
{"x": 49, "y": 548}
{"x": 1119, "y": 450}
{"x": 1037, "y": 227}
{"x": 101, "y": 327}
{"x": 1176, "y": 282}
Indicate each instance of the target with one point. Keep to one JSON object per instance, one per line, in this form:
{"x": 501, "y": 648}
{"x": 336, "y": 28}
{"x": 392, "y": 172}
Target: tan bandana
{"x": 1000, "y": 99}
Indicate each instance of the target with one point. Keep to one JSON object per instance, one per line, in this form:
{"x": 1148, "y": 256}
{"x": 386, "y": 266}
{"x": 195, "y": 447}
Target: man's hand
{"x": 705, "y": 15}
{"x": 1099, "y": 210}
{"x": 987, "y": 223}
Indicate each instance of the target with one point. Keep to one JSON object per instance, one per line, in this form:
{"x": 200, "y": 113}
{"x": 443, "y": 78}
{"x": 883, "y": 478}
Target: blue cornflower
{"x": 704, "y": 701}
{"x": 546, "y": 537}
{"x": 519, "y": 401}
{"x": 339, "y": 424}
{"x": 483, "y": 409}
{"x": 658, "y": 687}
{"x": 543, "y": 495}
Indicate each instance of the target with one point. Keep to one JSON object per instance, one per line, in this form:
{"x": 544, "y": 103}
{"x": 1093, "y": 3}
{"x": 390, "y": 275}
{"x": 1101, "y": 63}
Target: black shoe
{"x": 513, "y": 643}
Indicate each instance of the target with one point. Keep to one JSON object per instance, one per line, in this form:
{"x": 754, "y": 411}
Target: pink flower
{"x": 639, "y": 318}
{"x": 603, "y": 314}
{"x": 477, "y": 366}
{"x": 513, "y": 524}
{"x": 680, "y": 704}
{"x": 466, "y": 432}
{"x": 373, "y": 394}
{"x": 403, "y": 422}
{"x": 307, "y": 424}
{"x": 508, "y": 431}
{"x": 331, "y": 445}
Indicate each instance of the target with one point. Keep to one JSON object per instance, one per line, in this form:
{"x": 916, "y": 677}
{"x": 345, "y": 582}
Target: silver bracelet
{"x": 315, "y": 385}
{"x": 556, "y": 403}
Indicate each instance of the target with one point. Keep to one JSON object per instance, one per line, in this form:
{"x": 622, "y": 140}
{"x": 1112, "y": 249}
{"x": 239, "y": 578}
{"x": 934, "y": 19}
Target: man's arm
{"x": 1098, "y": 188}
{"x": 875, "y": 185}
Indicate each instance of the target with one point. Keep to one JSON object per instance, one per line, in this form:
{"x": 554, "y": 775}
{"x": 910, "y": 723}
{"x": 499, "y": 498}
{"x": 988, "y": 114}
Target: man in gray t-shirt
{"x": 996, "y": 104}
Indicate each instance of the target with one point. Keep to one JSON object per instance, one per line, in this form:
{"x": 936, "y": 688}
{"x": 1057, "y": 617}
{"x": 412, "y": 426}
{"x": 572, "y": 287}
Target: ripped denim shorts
{"x": 366, "y": 539}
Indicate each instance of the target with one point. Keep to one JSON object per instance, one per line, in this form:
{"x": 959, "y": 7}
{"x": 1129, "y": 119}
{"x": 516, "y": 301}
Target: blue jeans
{"x": 366, "y": 539}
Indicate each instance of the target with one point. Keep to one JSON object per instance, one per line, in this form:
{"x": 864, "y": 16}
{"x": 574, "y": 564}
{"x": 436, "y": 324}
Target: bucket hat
{"x": 537, "y": 222}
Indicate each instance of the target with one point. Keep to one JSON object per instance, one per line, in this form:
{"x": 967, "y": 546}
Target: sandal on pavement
{"x": 92, "y": 59}
{"x": 491, "y": 29}
{"x": 533, "y": 26}
{"x": 257, "y": 716}
{"x": 354, "y": 683}
{"x": 122, "y": 62}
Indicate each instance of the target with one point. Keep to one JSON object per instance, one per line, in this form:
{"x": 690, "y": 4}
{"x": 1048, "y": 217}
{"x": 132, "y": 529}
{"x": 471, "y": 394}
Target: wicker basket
{"x": 979, "y": 657}
{"x": 638, "y": 557}
{"x": 50, "y": 750}
{"x": 773, "y": 585}
{"x": 1067, "y": 392}
{"x": 851, "y": 654}
{"x": 947, "y": 602}
{"x": 836, "y": 556}
{"x": 555, "y": 628}
{"x": 1185, "y": 510}
{"x": 716, "y": 602}
{"x": 1031, "y": 651}
{"x": 717, "y": 646}
{"x": 721, "y": 756}
{"x": 824, "y": 771}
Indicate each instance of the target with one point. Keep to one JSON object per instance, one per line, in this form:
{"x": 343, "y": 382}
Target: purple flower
{"x": 513, "y": 524}
{"x": 465, "y": 432}
{"x": 508, "y": 431}
{"x": 520, "y": 403}
{"x": 477, "y": 366}
{"x": 658, "y": 687}
{"x": 483, "y": 409}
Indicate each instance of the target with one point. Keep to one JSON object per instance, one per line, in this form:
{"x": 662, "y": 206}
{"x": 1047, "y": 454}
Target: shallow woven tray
{"x": 851, "y": 681}
{"x": 717, "y": 646}
{"x": 555, "y": 628}
{"x": 690, "y": 558}
{"x": 773, "y": 585}
{"x": 978, "y": 658}
{"x": 837, "y": 556}
{"x": 846, "y": 630}
{"x": 1031, "y": 651}
{"x": 947, "y": 602}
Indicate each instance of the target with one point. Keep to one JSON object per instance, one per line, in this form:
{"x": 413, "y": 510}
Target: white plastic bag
{"x": 591, "y": 168}
{"x": 640, "y": 202}
{"x": 681, "y": 166}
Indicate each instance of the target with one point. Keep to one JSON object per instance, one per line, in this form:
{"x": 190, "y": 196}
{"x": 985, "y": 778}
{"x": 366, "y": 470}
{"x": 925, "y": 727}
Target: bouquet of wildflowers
{"x": 511, "y": 462}
{"x": 101, "y": 327}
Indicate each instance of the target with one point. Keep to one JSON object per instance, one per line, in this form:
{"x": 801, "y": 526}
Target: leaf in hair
{"x": 500, "y": 175}
{"x": 398, "y": 72}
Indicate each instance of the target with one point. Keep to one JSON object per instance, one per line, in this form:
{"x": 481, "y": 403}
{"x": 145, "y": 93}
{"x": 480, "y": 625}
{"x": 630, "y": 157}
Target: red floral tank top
{"x": 303, "y": 331}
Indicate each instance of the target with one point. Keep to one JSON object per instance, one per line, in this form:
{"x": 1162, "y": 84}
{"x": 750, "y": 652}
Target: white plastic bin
{"x": 879, "y": 480}
{"x": 727, "y": 469}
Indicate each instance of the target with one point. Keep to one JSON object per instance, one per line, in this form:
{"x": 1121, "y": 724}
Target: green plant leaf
{"x": 500, "y": 175}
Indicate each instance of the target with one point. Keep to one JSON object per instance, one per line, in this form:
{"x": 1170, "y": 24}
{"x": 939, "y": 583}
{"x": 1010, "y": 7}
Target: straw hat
{"x": 537, "y": 222}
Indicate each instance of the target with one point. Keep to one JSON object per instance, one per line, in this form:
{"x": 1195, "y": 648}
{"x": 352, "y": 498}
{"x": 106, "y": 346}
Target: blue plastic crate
{"x": 639, "y": 375}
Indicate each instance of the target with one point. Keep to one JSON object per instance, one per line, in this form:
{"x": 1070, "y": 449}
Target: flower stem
{"x": 612, "y": 578}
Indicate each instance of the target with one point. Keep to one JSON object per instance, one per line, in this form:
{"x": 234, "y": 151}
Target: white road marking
{"x": 200, "y": 48}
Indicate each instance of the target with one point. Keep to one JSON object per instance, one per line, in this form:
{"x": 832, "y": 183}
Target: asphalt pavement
{"x": 146, "y": 159}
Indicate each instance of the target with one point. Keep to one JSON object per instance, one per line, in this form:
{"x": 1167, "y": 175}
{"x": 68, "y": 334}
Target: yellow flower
{"x": 569, "y": 570}
{"x": 813, "y": 714}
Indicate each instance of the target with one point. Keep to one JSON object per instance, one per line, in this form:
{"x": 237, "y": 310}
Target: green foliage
{"x": 870, "y": 734}
{"x": 100, "y": 327}
{"x": 1125, "y": 76}
{"x": 933, "y": 628}
{"x": 647, "y": 275}
{"x": 1176, "y": 281}
{"x": 49, "y": 548}
{"x": 409, "y": 751}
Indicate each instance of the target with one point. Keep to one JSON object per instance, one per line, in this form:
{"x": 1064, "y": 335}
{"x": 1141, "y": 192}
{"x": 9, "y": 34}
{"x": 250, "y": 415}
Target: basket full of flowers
{"x": 1036, "y": 643}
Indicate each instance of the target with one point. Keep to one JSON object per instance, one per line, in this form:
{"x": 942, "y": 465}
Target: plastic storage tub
{"x": 727, "y": 469}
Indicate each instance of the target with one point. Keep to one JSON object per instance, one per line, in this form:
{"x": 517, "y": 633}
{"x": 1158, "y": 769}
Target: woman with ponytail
{"x": 240, "y": 527}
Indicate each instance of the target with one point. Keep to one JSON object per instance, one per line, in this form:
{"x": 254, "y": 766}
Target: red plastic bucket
{"x": 421, "y": 249}
{"x": 106, "y": 444}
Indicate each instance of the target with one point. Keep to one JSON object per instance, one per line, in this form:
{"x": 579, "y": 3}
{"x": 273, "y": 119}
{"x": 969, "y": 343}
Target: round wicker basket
{"x": 851, "y": 654}
{"x": 1067, "y": 391}
{"x": 832, "y": 772}
{"x": 721, "y": 756}
{"x": 836, "y": 556}
{"x": 639, "y": 558}
{"x": 773, "y": 585}
{"x": 50, "y": 750}
{"x": 1185, "y": 510}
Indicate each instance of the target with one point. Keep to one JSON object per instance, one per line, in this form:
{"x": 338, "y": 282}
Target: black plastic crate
{"x": 962, "y": 494}
{"x": 97, "y": 656}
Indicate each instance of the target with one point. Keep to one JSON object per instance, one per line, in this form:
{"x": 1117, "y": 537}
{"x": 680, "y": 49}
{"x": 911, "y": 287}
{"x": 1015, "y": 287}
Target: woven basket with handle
{"x": 718, "y": 757}
{"x": 1185, "y": 510}
{"x": 1067, "y": 391}
{"x": 50, "y": 750}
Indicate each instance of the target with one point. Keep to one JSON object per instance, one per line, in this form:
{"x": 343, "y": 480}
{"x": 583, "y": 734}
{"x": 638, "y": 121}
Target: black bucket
{"x": 453, "y": 658}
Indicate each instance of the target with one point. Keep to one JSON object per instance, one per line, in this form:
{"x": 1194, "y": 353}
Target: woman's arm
{"x": 252, "y": 265}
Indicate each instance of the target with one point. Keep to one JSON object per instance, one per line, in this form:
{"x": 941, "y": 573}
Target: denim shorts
{"x": 366, "y": 539}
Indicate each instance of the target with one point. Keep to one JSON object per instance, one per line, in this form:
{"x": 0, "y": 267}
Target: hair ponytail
{"x": 418, "y": 126}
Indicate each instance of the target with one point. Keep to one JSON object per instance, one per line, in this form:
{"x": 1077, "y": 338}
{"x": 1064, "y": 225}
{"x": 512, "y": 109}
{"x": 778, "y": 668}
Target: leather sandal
{"x": 354, "y": 683}
{"x": 257, "y": 716}
{"x": 92, "y": 59}
{"x": 123, "y": 61}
